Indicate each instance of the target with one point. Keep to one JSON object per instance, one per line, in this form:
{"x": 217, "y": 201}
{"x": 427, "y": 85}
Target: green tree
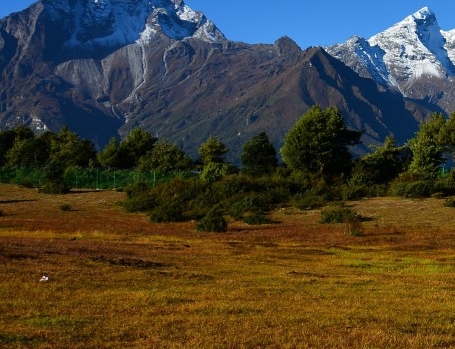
{"x": 67, "y": 149}
{"x": 428, "y": 147}
{"x": 109, "y": 156}
{"x": 137, "y": 144}
{"x": 32, "y": 152}
{"x": 381, "y": 166}
{"x": 212, "y": 156}
{"x": 54, "y": 178}
{"x": 319, "y": 143}
{"x": 213, "y": 151}
{"x": 6, "y": 142}
{"x": 447, "y": 136}
{"x": 165, "y": 157}
{"x": 11, "y": 138}
{"x": 259, "y": 155}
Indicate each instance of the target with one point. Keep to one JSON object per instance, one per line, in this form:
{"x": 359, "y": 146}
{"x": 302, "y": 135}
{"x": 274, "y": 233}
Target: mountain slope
{"x": 118, "y": 64}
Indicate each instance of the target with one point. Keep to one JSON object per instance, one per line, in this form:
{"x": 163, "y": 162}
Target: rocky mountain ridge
{"x": 118, "y": 64}
{"x": 415, "y": 57}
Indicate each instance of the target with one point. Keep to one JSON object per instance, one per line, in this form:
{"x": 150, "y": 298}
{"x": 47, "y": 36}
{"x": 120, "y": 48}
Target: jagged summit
{"x": 423, "y": 13}
{"x": 100, "y": 26}
{"x": 403, "y": 56}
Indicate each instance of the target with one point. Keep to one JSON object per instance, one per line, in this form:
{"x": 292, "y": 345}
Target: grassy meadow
{"x": 116, "y": 280}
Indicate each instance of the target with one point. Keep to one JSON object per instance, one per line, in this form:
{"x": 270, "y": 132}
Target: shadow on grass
{"x": 16, "y": 201}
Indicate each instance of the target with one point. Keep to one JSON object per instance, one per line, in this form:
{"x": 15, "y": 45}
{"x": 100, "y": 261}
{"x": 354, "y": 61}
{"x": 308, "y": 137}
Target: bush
{"x": 65, "y": 207}
{"x": 239, "y": 208}
{"x": 450, "y": 202}
{"x": 308, "y": 200}
{"x": 168, "y": 212}
{"x": 417, "y": 189}
{"x": 257, "y": 219}
{"x": 55, "y": 188}
{"x": 140, "y": 203}
{"x": 338, "y": 214}
{"x": 212, "y": 222}
{"x": 137, "y": 189}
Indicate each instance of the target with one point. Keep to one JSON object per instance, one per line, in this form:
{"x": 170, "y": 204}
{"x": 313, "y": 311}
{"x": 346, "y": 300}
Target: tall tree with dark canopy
{"x": 319, "y": 143}
{"x": 259, "y": 155}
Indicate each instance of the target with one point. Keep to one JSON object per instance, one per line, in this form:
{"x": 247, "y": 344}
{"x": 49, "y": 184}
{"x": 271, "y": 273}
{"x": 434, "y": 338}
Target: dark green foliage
{"x": 140, "y": 203}
{"x": 54, "y": 178}
{"x": 412, "y": 189}
{"x": 338, "y": 214}
{"x": 130, "y": 150}
{"x": 109, "y": 157}
{"x": 257, "y": 218}
{"x": 137, "y": 189}
{"x": 69, "y": 150}
{"x": 54, "y": 188}
{"x": 239, "y": 208}
{"x": 168, "y": 212}
{"x": 165, "y": 157}
{"x": 214, "y": 171}
{"x": 319, "y": 142}
{"x": 308, "y": 200}
{"x": 213, "y": 221}
{"x": 354, "y": 191}
{"x": 382, "y": 166}
{"x": 6, "y": 142}
{"x": 212, "y": 151}
{"x": 450, "y": 202}
{"x": 428, "y": 147}
{"x": 65, "y": 207}
{"x": 259, "y": 156}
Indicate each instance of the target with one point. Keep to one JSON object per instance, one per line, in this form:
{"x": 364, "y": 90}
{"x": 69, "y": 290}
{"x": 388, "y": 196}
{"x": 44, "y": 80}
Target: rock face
{"x": 103, "y": 67}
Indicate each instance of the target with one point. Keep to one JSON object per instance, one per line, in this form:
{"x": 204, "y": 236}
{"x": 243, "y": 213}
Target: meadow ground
{"x": 116, "y": 280}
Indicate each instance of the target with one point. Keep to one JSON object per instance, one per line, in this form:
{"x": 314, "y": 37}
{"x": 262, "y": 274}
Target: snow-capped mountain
{"x": 414, "y": 56}
{"x": 104, "y": 67}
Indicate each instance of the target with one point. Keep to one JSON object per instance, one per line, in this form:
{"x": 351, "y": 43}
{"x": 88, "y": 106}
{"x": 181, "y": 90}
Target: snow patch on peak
{"x": 413, "y": 49}
{"x": 423, "y": 13}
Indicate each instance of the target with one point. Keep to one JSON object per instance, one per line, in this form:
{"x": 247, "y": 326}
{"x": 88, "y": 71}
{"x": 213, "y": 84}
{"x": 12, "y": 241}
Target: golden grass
{"x": 119, "y": 281}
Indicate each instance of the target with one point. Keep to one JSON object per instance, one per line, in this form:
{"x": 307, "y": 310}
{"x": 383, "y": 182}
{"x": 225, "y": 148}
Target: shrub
{"x": 257, "y": 219}
{"x": 65, "y": 207}
{"x": 140, "y": 203}
{"x": 354, "y": 191}
{"x": 308, "y": 200}
{"x": 168, "y": 212}
{"x": 450, "y": 202}
{"x": 239, "y": 208}
{"x": 213, "y": 221}
{"x": 338, "y": 214}
{"x": 137, "y": 189}
{"x": 57, "y": 187}
{"x": 417, "y": 189}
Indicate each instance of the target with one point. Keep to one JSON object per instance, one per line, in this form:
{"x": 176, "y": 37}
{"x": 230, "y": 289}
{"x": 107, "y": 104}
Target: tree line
{"x": 317, "y": 167}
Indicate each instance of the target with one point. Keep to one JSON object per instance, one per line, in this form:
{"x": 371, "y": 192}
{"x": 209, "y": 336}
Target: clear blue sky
{"x": 309, "y": 23}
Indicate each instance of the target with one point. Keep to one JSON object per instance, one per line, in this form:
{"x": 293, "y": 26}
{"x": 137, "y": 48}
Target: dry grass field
{"x": 116, "y": 280}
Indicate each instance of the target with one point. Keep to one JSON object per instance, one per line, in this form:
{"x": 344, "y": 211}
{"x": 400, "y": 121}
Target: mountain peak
{"x": 423, "y": 13}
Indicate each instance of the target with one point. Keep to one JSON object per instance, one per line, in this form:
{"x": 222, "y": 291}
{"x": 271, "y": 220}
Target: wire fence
{"x": 77, "y": 178}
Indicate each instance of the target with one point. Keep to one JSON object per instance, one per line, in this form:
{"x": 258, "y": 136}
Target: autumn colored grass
{"x": 116, "y": 280}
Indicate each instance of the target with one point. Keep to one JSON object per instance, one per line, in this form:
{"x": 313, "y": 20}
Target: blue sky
{"x": 309, "y": 23}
